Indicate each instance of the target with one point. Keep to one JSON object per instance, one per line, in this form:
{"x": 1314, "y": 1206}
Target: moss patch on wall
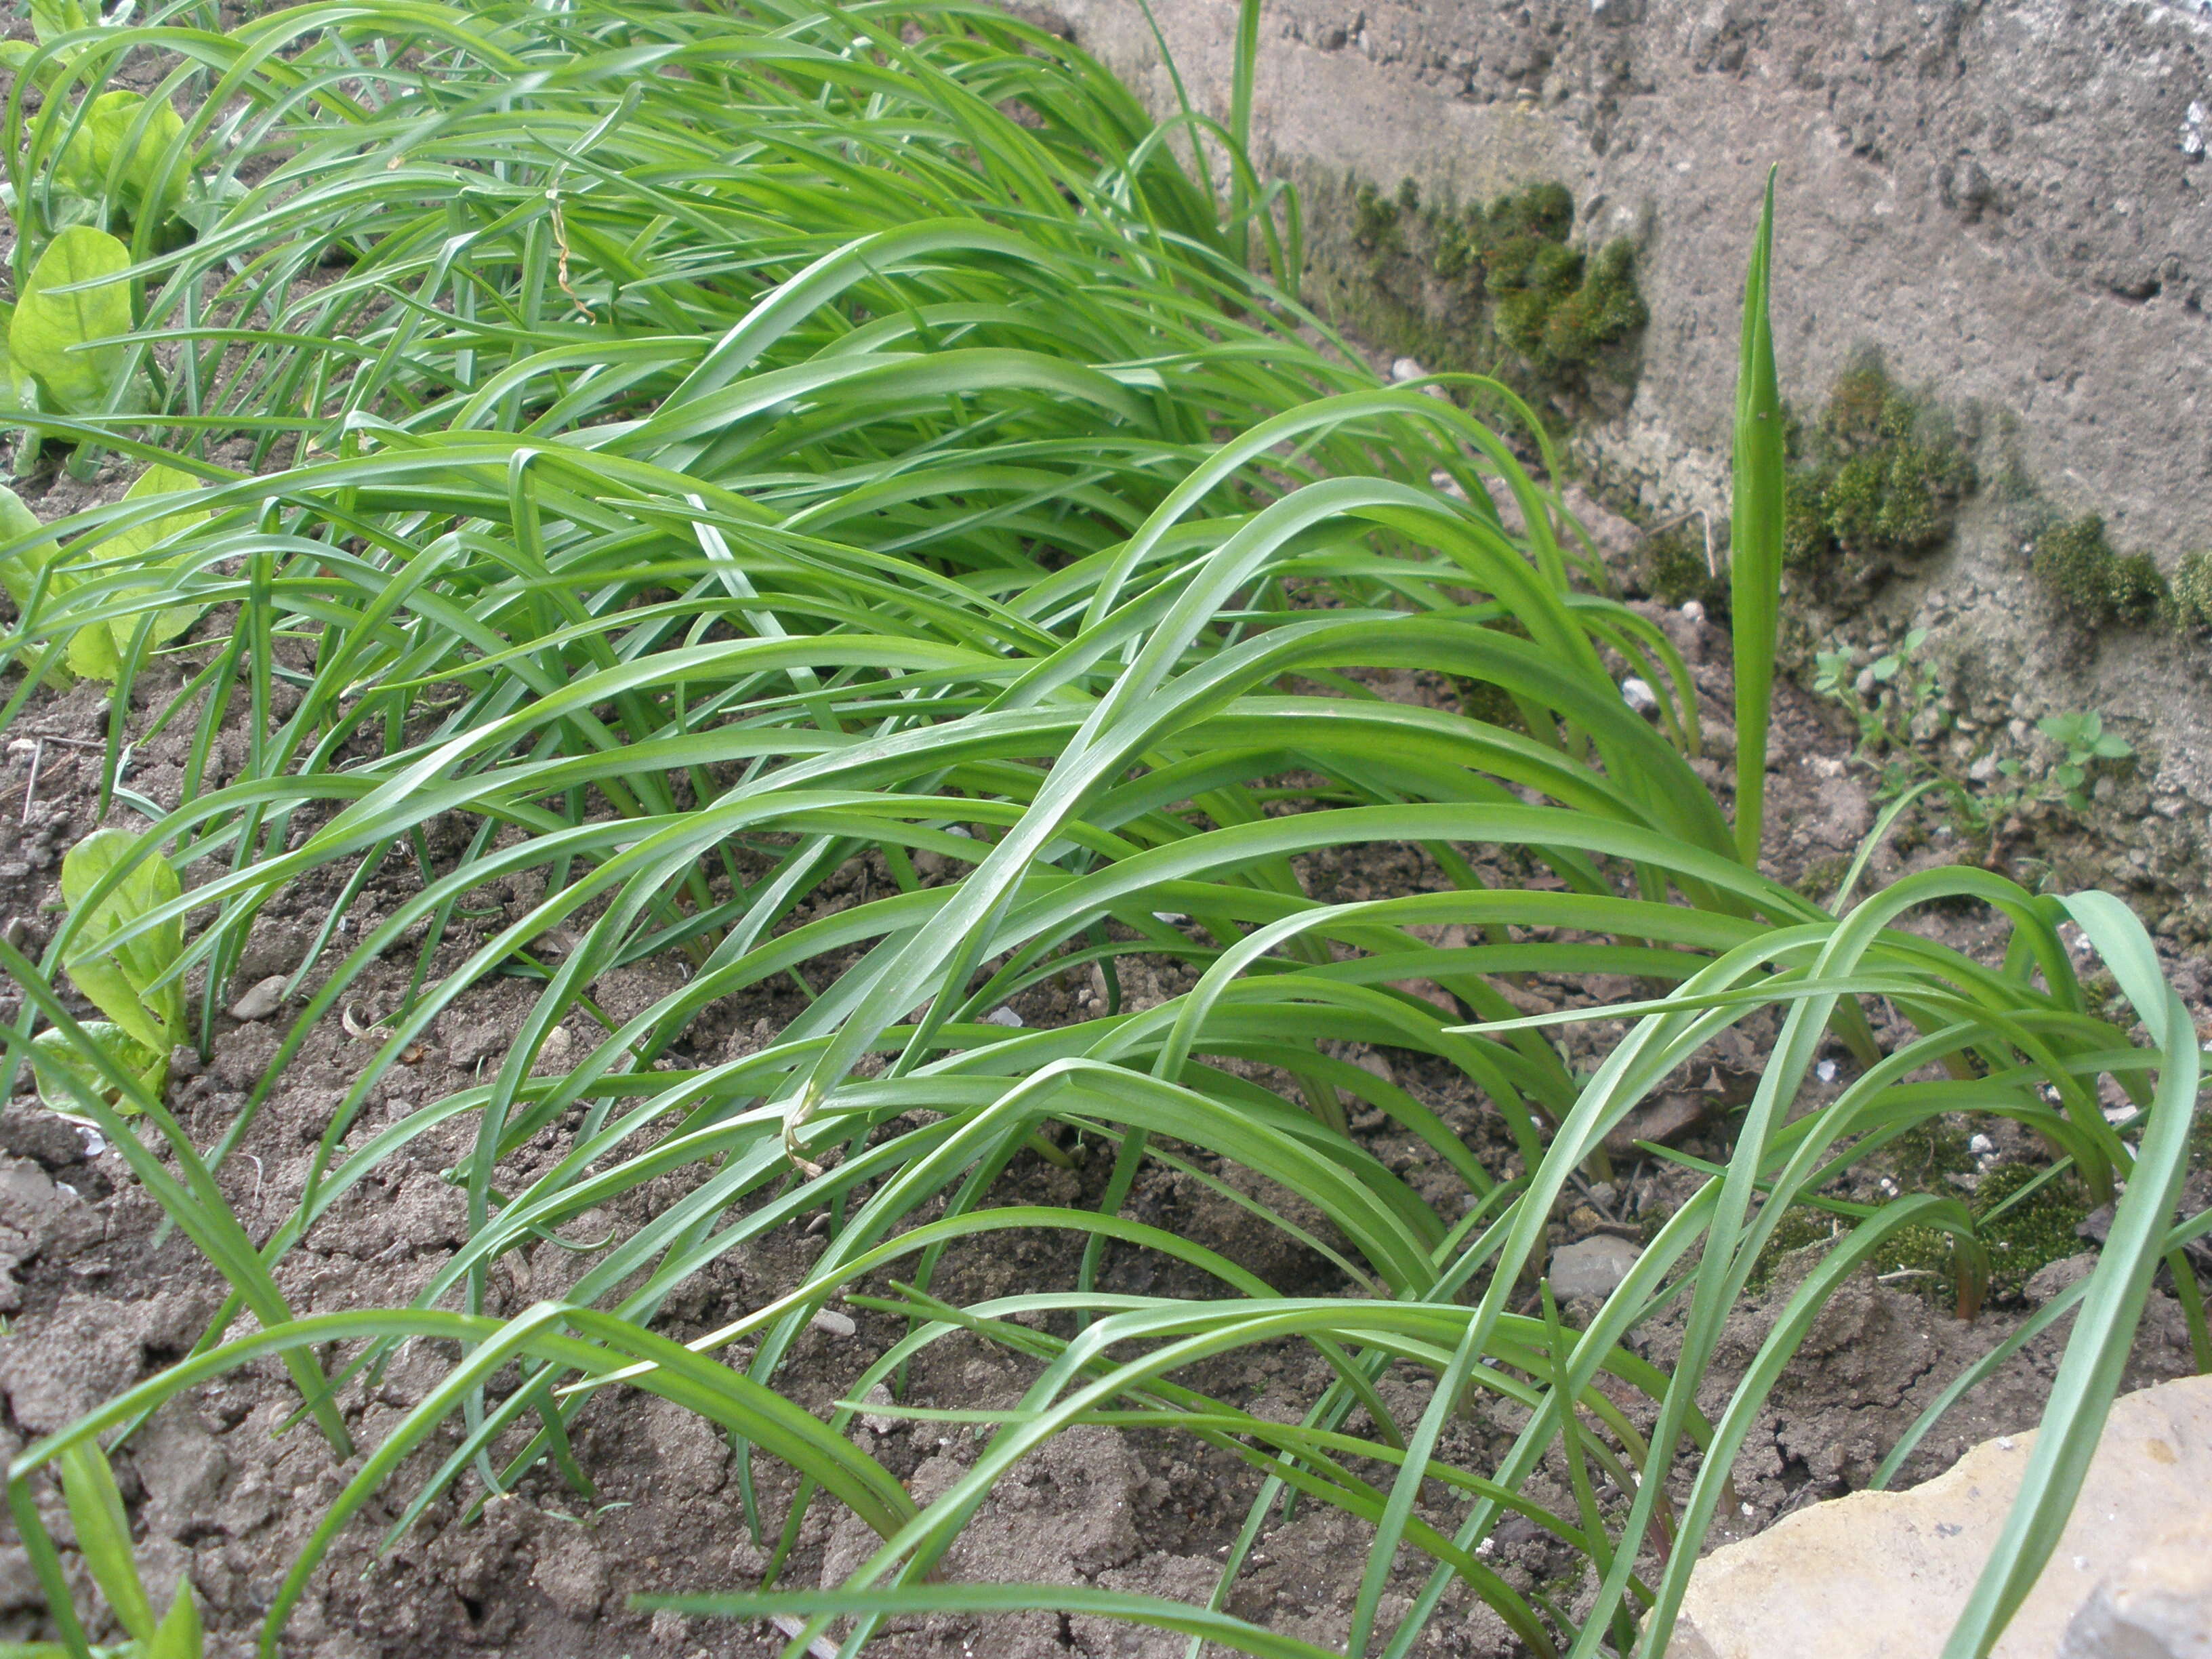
{"x": 2095, "y": 582}
{"x": 1876, "y": 482}
{"x": 1497, "y": 288}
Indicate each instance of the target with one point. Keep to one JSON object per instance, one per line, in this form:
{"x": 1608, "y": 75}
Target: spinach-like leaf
{"x": 55, "y": 1061}
{"x": 50, "y": 334}
{"x": 19, "y": 570}
{"x": 117, "y": 152}
{"x": 97, "y": 652}
{"x": 119, "y": 978}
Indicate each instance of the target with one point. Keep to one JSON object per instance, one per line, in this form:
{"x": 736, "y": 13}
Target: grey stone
{"x": 264, "y": 998}
{"x": 1884, "y": 1575}
{"x": 2158, "y": 1606}
{"x": 2054, "y": 1277}
{"x": 1594, "y": 1267}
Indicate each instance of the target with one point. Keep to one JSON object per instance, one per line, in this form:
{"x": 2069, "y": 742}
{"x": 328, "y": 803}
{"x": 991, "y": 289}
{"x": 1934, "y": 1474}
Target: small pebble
{"x": 1825, "y": 1071}
{"x": 261, "y": 1002}
{"x": 1981, "y": 1145}
{"x": 1406, "y": 368}
{"x": 1638, "y": 694}
{"x": 1693, "y": 610}
{"x": 1002, "y": 1017}
{"x": 830, "y": 1322}
{"x": 876, "y": 1422}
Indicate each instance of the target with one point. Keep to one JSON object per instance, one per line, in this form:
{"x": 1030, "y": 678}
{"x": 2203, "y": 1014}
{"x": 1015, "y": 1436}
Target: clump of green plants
{"x": 1878, "y": 480}
{"x": 131, "y": 981}
{"x": 763, "y": 525}
{"x": 2094, "y": 583}
{"x": 1897, "y": 703}
{"x": 1895, "y": 700}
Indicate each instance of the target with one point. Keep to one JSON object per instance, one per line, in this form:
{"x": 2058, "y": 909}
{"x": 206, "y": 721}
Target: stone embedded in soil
{"x": 1884, "y": 1575}
{"x": 2053, "y": 1277}
{"x": 1594, "y": 1267}
{"x": 262, "y": 999}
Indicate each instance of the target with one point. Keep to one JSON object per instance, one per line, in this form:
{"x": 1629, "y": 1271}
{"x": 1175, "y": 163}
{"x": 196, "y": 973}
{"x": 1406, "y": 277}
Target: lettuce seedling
{"x": 114, "y": 162}
{"x": 50, "y": 339}
{"x": 96, "y": 653}
{"x": 50, "y": 20}
{"x": 144, "y": 1022}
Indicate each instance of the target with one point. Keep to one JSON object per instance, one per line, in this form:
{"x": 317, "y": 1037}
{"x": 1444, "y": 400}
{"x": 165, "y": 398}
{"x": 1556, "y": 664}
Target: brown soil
{"x": 100, "y": 1299}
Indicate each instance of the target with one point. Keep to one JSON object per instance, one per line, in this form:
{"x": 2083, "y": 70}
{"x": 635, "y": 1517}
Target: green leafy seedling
{"x": 50, "y": 20}
{"x": 70, "y": 328}
{"x": 120, "y": 979}
{"x": 2083, "y": 742}
{"x": 114, "y": 162}
{"x": 96, "y": 652}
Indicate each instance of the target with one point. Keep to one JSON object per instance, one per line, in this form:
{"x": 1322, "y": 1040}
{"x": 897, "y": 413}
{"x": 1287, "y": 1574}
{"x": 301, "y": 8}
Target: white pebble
{"x": 1981, "y": 1145}
{"x": 1638, "y": 694}
{"x": 830, "y": 1322}
{"x": 1693, "y": 610}
{"x": 1406, "y": 368}
{"x": 1002, "y": 1017}
{"x": 1825, "y": 1071}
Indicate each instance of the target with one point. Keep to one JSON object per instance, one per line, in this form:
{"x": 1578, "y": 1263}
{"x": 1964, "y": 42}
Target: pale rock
{"x": 1638, "y": 694}
{"x": 830, "y": 1322}
{"x": 1593, "y": 1267}
{"x": 2157, "y": 1607}
{"x": 1884, "y": 1575}
{"x": 875, "y": 1422}
{"x": 264, "y": 998}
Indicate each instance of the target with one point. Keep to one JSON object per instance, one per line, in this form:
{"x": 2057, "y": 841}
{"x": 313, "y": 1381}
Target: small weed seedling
{"x": 144, "y": 1020}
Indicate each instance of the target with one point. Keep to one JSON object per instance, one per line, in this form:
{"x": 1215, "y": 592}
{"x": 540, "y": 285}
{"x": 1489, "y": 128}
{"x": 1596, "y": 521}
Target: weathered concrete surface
{"x": 1884, "y": 1575}
{"x": 2009, "y": 198}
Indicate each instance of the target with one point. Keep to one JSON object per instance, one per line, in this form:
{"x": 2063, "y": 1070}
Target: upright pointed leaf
{"x": 181, "y": 1636}
{"x": 1755, "y": 545}
{"x": 103, "y": 1535}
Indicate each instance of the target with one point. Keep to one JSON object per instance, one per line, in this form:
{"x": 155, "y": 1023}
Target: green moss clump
{"x": 1493, "y": 289}
{"x": 1675, "y": 568}
{"x": 1879, "y": 479}
{"x": 2034, "y": 1232}
{"x": 1375, "y": 220}
{"x": 1606, "y": 307}
{"x": 2192, "y": 593}
{"x": 2022, "y": 1241}
{"x": 2096, "y": 584}
{"x": 1554, "y": 305}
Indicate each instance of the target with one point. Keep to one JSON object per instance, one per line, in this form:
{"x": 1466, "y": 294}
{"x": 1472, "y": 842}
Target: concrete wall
{"x": 2010, "y": 199}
